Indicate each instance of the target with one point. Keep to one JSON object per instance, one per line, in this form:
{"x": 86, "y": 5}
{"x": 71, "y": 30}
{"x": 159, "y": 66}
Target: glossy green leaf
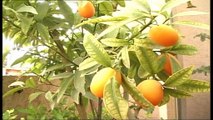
{"x": 179, "y": 77}
{"x": 60, "y": 76}
{"x": 183, "y": 49}
{"x": 115, "y": 104}
{"x": 87, "y": 63}
{"x": 114, "y": 42}
{"x": 33, "y": 96}
{"x": 132, "y": 71}
{"x": 79, "y": 82}
{"x": 143, "y": 43}
{"x": 195, "y": 86}
{"x": 25, "y": 23}
{"x": 66, "y": 11}
{"x": 58, "y": 66}
{"x": 42, "y": 9}
{"x": 193, "y": 24}
{"x": 188, "y": 13}
{"x": 101, "y": 19}
{"x": 49, "y": 96}
{"x": 30, "y": 83}
{"x": 118, "y": 24}
{"x": 148, "y": 59}
{"x": 12, "y": 91}
{"x": 177, "y": 93}
{"x": 142, "y": 73}
{"x": 21, "y": 59}
{"x": 171, "y": 4}
{"x": 136, "y": 95}
{"x": 43, "y": 31}
{"x": 144, "y": 6}
{"x": 105, "y": 7}
{"x": 121, "y": 2}
{"x": 96, "y": 50}
{"x": 75, "y": 95}
{"x": 175, "y": 64}
{"x": 63, "y": 87}
{"x": 29, "y": 9}
{"x": 166, "y": 98}
{"x": 125, "y": 57}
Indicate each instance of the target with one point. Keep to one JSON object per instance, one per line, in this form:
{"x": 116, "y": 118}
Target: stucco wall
{"x": 197, "y": 107}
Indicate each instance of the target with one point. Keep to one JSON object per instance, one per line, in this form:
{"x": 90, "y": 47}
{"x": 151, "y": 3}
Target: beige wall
{"x": 197, "y": 107}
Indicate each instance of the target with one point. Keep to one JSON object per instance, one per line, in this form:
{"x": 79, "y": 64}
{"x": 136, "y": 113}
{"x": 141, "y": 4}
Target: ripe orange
{"x": 100, "y": 79}
{"x": 87, "y": 10}
{"x": 152, "y": 90}
{"x": 164, "y": 35}
{"x": 167, "y": 66}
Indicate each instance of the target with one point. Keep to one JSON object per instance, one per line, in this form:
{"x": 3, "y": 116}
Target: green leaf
{"x": 165, "y": 100}
{"x": 183, "y": 49}
{"x": 29, "y": 9}
{"x": 142, "y": 73}
{"x": 136, "y": 95}
{"x": 175, "y": 64}
{"x": 66, "y": 11}
{"x": 63, "y": 87}
{"x": 118, "y": 24}
{"x": 114, "y": 42}
{"x": 193, "y": 24}
{"x": 105, "y": 7}
{"x": 30, "y": 83}
{"x": 21, "y": 59}
{"x": 43, "y": 31}
{"x": 42, "y": 9}
{"x": 179, "y": 77}
{"x": 125, "y": 57}
{"x": 101, "y": 19}
{"x": 176, "y": 93}
{"x": 87, "y": 63}
{"x": 143, "y": 43}
{"x": 148, "y": 59}
{"x": 49, "y": 96}
{"x": 79, "y": 82}
{"x": 61, "y": 76}
{"x": 96, "y": 50}
{"x": 121, "y": 2}
{"x": 195, "y": 86}
{"x": 115, "y": 104}
{"x": 132, "y": 71}
{"x": 33, "y": 96}
{"x": 75, "y": 95}
{"x": 188, "y": 13}
{"x": 25, "y": 23}
{"x": 58, "y": 66}
{"x": 143, "y": 5}
{"x": 10, "y": 92}
{"x": 171, "y": 4}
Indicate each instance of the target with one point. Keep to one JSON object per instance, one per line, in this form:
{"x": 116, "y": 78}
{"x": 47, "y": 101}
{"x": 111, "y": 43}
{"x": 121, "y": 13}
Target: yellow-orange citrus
{"x": 152, "y": 90}
{"x": 163, "y": 35}
{"x": 87, "y": 10}
{"x": 167, "y": 66}
{"x": 100, "y": 79}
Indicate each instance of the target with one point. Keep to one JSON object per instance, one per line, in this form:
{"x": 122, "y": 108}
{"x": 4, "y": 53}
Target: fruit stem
{"x": 143, "y": 28}
{"x": 99, "y": 109}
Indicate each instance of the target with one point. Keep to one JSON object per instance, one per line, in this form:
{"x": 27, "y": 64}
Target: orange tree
{"x": 99, "y": 49}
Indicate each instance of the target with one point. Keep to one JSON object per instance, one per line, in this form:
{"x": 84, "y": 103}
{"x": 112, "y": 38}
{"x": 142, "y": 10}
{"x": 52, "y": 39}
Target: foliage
{"x": 75, "y": 48}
